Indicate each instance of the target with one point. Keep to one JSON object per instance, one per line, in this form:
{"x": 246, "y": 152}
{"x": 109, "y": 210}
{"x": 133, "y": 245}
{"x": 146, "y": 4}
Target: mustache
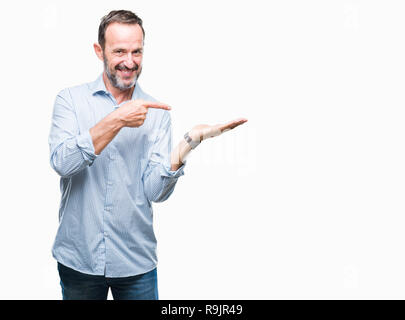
{"x": 121, "y": 67}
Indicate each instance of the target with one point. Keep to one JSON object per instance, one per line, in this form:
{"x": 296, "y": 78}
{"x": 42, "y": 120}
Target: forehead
{"x": 120, "y": 34}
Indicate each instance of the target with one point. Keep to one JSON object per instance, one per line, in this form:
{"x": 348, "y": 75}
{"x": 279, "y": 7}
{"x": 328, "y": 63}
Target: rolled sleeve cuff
{"x": 166, "y": 172}
{"x": 85, "y": 144}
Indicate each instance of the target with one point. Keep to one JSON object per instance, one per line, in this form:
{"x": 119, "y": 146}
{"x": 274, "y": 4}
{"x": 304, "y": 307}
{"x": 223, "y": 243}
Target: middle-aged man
{"x": 111, "y": 144}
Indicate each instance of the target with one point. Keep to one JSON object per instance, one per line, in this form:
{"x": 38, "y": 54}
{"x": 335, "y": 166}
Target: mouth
{"x": 126, "y": 73}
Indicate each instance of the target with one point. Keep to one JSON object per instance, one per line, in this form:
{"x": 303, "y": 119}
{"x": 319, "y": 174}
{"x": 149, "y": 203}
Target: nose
{"x": 129, "y": 63}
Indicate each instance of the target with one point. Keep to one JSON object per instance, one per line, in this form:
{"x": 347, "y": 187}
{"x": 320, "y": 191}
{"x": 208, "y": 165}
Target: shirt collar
{"x": 98, "y": 85}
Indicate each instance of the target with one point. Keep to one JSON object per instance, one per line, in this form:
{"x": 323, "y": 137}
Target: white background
{"x": 306, "y": 200}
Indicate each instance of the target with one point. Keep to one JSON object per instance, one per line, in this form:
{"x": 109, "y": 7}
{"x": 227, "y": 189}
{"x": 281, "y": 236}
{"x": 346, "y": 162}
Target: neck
{"x": 119, "y": 95}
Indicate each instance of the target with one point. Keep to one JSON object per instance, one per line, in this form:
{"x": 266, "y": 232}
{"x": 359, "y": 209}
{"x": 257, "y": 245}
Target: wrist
{"x": 116, "y": 121}
{"x": 192, "y": 139}
{"x": 195, "y": 135}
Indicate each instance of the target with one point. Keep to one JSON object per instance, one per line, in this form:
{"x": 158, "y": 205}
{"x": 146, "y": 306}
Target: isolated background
{"x": 306, "y": 200}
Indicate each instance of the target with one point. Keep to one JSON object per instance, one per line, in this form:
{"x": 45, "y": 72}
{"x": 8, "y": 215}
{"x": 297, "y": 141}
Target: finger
{"x": 157, "y": 105}
{"x": 232, "y": 124}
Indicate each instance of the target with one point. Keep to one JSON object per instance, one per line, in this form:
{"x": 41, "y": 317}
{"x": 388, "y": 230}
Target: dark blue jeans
{"x": 80, "y": 286}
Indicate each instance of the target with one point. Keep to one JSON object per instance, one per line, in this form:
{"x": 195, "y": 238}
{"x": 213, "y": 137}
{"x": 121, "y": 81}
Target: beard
{"x": 116, "y": 80}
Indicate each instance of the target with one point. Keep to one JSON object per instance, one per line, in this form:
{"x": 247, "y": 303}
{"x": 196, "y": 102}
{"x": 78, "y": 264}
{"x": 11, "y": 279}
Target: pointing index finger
{"x": 157, "y": 105}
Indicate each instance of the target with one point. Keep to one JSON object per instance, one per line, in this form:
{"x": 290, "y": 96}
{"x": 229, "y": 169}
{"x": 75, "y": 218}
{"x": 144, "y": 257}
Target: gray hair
{"x": 120, "y": 16}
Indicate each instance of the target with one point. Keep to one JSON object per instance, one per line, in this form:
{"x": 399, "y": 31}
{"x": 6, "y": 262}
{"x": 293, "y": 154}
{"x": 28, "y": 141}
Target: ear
{"x": 99, "y": 51}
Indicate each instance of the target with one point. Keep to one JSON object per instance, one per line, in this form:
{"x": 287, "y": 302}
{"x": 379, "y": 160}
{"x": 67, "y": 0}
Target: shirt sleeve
{"x": 70, "y": 150}
{"x": 159, "y": 181}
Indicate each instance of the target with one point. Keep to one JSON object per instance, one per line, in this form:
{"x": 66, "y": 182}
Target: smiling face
{"x": 122, "y": 54}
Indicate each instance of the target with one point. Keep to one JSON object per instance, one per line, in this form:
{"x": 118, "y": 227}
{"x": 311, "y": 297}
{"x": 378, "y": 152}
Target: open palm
{"x": 204, "y": 131}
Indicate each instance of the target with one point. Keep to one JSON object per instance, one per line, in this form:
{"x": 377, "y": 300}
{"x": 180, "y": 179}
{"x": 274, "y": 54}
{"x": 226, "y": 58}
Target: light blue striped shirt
{"x": 105, "y": 214}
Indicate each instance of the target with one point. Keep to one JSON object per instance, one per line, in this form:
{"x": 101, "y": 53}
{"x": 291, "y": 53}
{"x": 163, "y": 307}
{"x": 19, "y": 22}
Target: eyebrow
{"x": 122, "y": 49}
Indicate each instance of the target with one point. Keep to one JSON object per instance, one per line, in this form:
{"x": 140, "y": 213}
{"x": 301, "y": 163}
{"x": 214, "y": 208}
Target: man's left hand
{"x": 204, "y": 131}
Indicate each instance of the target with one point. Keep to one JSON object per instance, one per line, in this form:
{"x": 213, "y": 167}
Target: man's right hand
{"x": 133, "y": 113}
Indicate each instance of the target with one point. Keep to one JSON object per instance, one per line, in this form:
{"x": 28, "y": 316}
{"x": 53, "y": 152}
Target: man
{"x": 111, "y": 144}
